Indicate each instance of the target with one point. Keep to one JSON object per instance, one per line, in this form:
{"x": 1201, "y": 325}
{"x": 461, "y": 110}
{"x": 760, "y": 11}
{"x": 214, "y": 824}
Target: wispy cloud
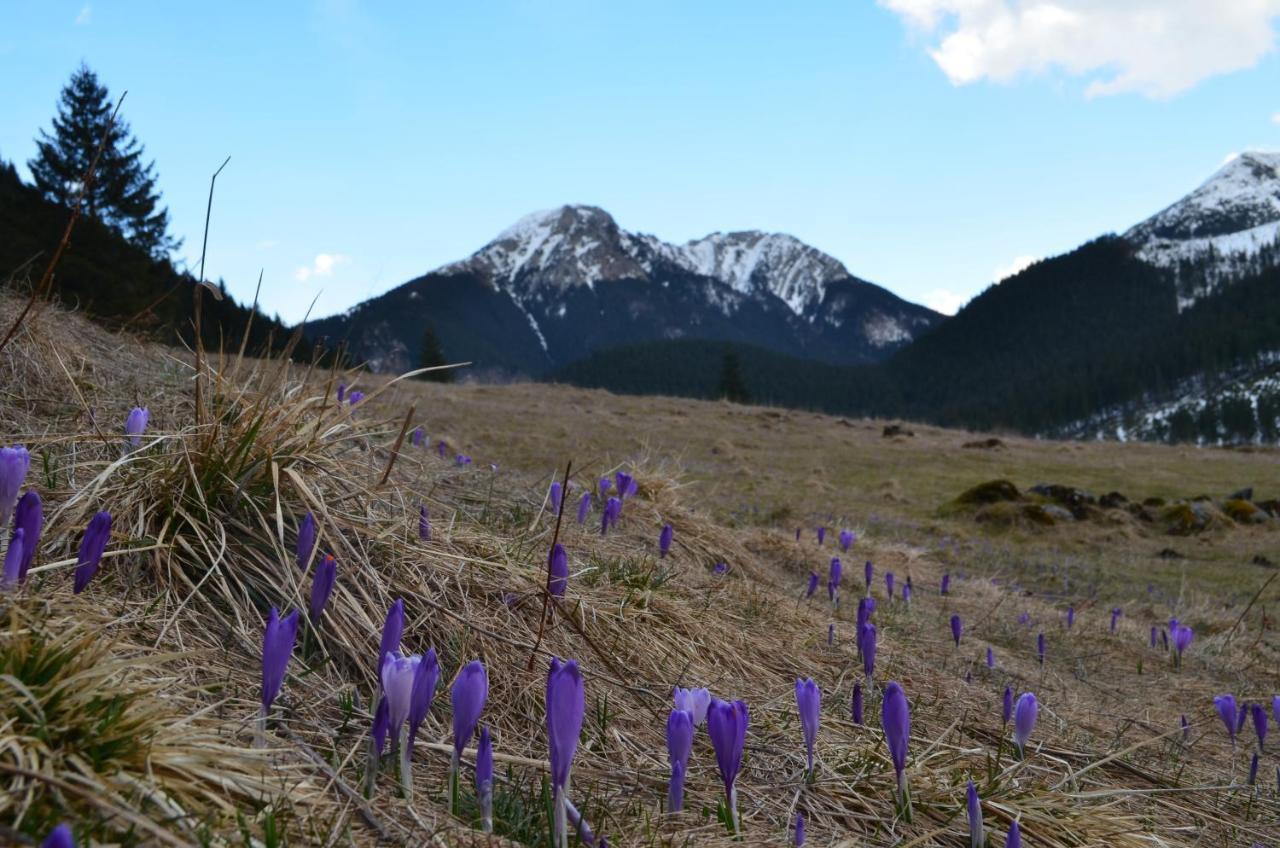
{"x": 321, "y": 266}
{"x": 1275, "y": 119}
{"x": 945, "y": 301}
{"x": 85, "y": 17}
{"x": 1016, "y": 266}
{"x": 1157, "y": 48}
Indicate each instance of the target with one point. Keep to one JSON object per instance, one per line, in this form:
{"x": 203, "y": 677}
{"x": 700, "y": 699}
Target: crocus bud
{"x": 1182, "y": 637}
{"x": 868, "y": 572}
{"x": 557, "y": 570}
{"x": 442, "y": 447}
{"x": 799, "y": 829}
{"x": 846, "y": 539}
{"x": 306, "y": 539}
{"x": 857, "y": 704}
{"x": 1024, "y": 719}
{"x": 397, "y": 678}
{"x": 831, "y": 635}
{"x": 664, "y": 540}
{"x": 679, "y": 745}
{"x": 417, "y": 436}
{"x": 869, "y": 650}
{"x": 584, "y": 507}
{"x": 991, "y": 658}
{"x": 822, "y": 535}
{"x": 1275, "y": 708}
{"x": 809, "y": 705}
{"x": 813, "y": 584}
{"x": 354, "y": 397}
{"x": 14, "y": 464}
{"x": 424, "y": 523}
{"x": 605, "y": 484}
{"x": 1006, "y": 706}
{"x": 13, "y": 560}
{"x": 555, "y": 496}
{"x": 1071, "y": 616}
{"x": 727, "y": 727}
{"x": 1014, "y": 839}
{"x": 1040, "y": 645}
{"x": 392, "y": 631}
{"x": 946, "y": 584}
{"x": 566, "y": 707}
{"x": 342, "y": 392}
{"x": 623, "y": 484}
{"x": 1153, "y": 636}
{"x": 59, "y": 837}
{"x": 29, "y": 518}
{"x": 1259, "y": 724}
{"x": 797, "y": 534}
{"x": 484, "y": 779}
{"x": 1115, "y": 618}
{"x": 973, "y": 805}
{"x": 956, "y": 629}
{"x": 470, "y": 690}
{"x": 888, "y": 584}
{"x": 322, "y": 585}
{"x": 425, "y": 679}
{"x": 1186, "y": 729}
{"x": 135, "y": 424}
{"x": 1253, "y": 770}
{"x": 92, "y": 545}
{"x": 896, "y": 718}
{"x": 277, "y": 646}
{"x": 693, "y": 701}
{"x": 1227, "y": 711}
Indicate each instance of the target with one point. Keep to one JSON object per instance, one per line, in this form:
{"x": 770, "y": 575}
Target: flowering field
{"x": 249, "y": 603}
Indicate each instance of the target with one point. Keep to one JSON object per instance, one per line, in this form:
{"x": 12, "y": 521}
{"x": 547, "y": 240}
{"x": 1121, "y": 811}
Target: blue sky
{"x": 927, "y": 144}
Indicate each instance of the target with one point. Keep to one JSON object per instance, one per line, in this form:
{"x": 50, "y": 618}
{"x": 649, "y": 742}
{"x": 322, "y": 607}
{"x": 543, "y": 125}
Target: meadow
{"x": 139, "y": 711}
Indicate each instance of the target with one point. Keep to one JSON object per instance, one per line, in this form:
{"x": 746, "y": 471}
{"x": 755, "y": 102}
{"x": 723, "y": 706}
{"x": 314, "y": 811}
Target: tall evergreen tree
{"x": 123, "y": 191}
{"x": 732, "y": 387}
{"x": 431, "y": 356}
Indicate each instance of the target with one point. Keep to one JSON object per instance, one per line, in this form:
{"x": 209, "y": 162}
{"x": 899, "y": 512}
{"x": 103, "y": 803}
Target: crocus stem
{"x": 733, "y": 809}
{"x": 260, "y": 735}
{"x": 406, "y": 771}
{"x": 453, "y": 783}
{"x": 561, "y": 825}
{"x": 486, "y": 808}
{"x": 371, "y": 769}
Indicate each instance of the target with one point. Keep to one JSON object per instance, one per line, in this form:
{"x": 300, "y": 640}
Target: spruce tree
{"x": 732, "y": 386}
{"x": 122, "y": 193}
{"x": 431, "y": 356}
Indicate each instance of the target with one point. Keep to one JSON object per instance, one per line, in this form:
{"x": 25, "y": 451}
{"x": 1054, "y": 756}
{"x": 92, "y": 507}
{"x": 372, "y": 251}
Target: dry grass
{"x": 206, "y": 522}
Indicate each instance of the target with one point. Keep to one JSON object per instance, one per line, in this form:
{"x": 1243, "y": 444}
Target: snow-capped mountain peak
{"x": 583, "y": 245}
{"x": 1221, "y": 227}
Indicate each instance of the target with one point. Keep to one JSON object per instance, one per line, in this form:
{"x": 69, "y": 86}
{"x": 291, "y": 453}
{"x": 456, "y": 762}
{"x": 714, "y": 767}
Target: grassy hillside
{"x": 136, "y": 700}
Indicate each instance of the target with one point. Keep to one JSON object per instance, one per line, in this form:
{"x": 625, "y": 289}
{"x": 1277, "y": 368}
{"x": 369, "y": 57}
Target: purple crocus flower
{"x": 868, "y": 573}
{"x": 1253, "y": 770}
{"x": 1241, "y": 717}
{"x": 857, "y": 703}
{"x": 277, "y": 647}
{"x": 1014, "y": 839}
{"x": 306, "y": 539}
{"x": 727, "y": 726}
{"x": 28, "y": 517}
{"x": 1071, "y": 616}
{"x": 14, "y": 464}
{"x": 1006, "y": 706}
{"x": 425, "y": 679}
{"x": 679, "y": 745}
{"x": 342, "y": 392}
{"x": 869, "y": 650}
{"x": 424, "y": 523}
{"x": 813, "y": 584}
{"x": 470, "y": 690}
{"x": 846, "y": 540}
{"x": 888, "y": 584}
{"x": 392, "y": 630}
{"x": 1275, "y": 708}
{"x": 622, "y": 482}
{"x": 322, "y": 581}
{"x": 721, "y": 568}
{"x": 1153, "y": 636}
{"x": 1115, "y": 618}
{"x": 584, "y": 507}
{"x": 1164, "y": 640}
{"x": 1040, "y": 648}
{"x": 1186, "y": 729}
{"x": 1025, "y": 712}
{"x": 834, "y": 575}
{"x": 822, "y": 535}
{"x": 797, "y": 534}
{"x": 866, "y": 606}
{"x": 609, "y": 517}
{"x": 605, "y": 483}
{"x": 566, "y": 706}
{"x": 664, "y": 540}
{"x": 397, "y": 677}
{"x": 973, "y": 805}
{"x": 946, "y": 584}
{"x": 991, "y": 658}
{"x": 1228, "y": 712}
{"x": 354, "y": 397}
{"x": 557, "y": 570}
{"x": 96, "y": 536}
{"x": 134, "y": 424}
{"x": 442, "y": 447}
{"x": 831, "y": 635}
{"x": 1259, "y": 714}
{"x": 809, "y": 704}
{"x": 1025, "y": 619}
{"x": 799, "y": 830}
{"x": 13, "y": 559}
{"x": 896, "y": 718}
{"x": 555, "y": 495}
{"x": 956, "y": 628}
{"x": 378, "y": 733}
{"x": 484, "y": 779}
{"x": 59, "y": 837}
{"x": 417, "y": 436}
{"x": 695, "y": 702}
{"x": 1182, "y": 636}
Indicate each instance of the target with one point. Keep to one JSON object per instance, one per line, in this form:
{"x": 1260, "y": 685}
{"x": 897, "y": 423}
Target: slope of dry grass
{"x": 206, "y": 516}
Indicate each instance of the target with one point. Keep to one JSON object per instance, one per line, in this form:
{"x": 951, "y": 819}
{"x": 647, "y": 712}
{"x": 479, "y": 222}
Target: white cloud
{"x": 1229, "y": 158}
{"x": 321, "y": 266}
{"x": 1275, "y": 119}
{"x": 1016, "y": 266}
{"x": 1156, "y": 48}
{"x": 85, "y": 16}
{"x": 944, "y": 301}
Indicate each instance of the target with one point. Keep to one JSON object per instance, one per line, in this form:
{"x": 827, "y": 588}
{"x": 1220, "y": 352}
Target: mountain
{"x": 1170, "y": 332}
{"x": 1227, "y": 228}
{"x": 561, "y": 284}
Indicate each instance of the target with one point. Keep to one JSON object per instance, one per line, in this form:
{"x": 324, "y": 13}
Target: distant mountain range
{"x": 560, "y": 285}
{"x": 1127, "y": 336}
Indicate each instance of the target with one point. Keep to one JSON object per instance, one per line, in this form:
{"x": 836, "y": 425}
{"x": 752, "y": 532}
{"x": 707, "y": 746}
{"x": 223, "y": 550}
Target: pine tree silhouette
{"x": 432, "y": 355}
{"x": 732, "y": 387}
